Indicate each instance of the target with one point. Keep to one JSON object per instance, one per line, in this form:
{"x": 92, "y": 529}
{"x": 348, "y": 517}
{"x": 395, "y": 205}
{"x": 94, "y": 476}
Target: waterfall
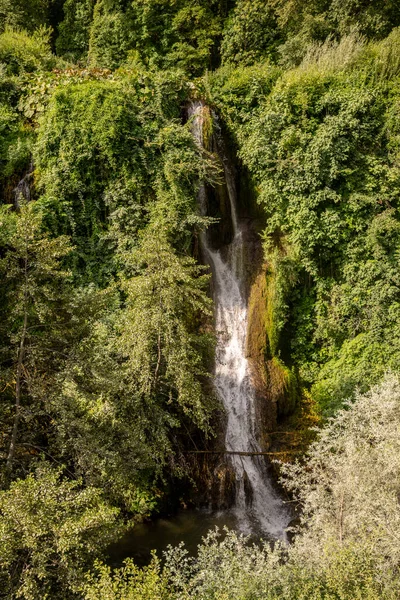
{"x": 22, "y": 192}
{"x": 258, "y": 507}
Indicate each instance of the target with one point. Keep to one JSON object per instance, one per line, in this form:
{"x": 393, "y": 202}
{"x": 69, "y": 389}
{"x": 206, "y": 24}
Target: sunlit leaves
{"x": 51, "y": 529}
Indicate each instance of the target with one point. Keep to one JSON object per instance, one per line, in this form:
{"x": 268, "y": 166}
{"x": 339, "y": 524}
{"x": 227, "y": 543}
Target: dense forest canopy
{"x": 106, "y": 343}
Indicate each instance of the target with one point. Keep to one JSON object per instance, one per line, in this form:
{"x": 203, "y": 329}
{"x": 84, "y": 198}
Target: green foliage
{"x": 109, "y": 36}
{"x": 360, "y": 322}
{"x": 194, "y": 35}
{"x": 181, "y": 33}
{"x": 238, "y": 91}
{"x": 107, "y": 389}
{"x": 105, "y": 355}
{"x": 15, "y": 143}
{"x": 162, "y": 33}
{"x": 87, "y": 131}
{"x": 36, "y": 89}
{"x": 158, "y": 329}
{"x": 308, "y": 23}
{"x": 101, "y": 426}
{"x": 24, "y": 14}
{"x": 33, "y": 297}
{"x": 74, "y": 30}
{"x": 51, "y": 530}
{"x": 282, "y": 277}
{"x": 21, "y": 52}
{"x": 195, "y": 28}
{"x": 30, "y": 260}
{"x": 320, "y": 122}
{"x": 250, "y": 33}
{"x": 106, "y": 151}
{"x": 113, "y": 380}
{"x": 128, "y": 583}
{"x": 136, "y": 376}
{"x": 232, "y": 568}
{"x": 374, "y": 19}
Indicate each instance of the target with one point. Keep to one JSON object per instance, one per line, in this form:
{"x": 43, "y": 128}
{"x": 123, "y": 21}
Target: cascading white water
{"x": 258, "y": 507}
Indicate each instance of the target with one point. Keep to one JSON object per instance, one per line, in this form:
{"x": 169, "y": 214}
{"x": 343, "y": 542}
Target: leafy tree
{"x": 374, "y": 19}
{"x": 110, "y": 35}
{"x": 136, "y": 376}
{"x": 24, "y": 14}
{"x": 349, "y": 488}
{"x": 51, "y": 530}
{"x": 158, "y": 329}
{"x": 21, "y": 52}
{"x": 73, "y": 31}
{"x": 163, "y": 33}
{"x": 250, "y": 34}
{"x": 32, "y": 274}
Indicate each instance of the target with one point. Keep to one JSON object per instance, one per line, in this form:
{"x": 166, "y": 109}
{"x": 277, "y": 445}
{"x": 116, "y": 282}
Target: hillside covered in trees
{"x": 106, "y": 331}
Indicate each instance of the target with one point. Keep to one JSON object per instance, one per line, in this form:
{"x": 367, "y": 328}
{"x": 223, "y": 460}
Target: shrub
{"x": 50, "y": 531}
{"x": 22, "y": 52}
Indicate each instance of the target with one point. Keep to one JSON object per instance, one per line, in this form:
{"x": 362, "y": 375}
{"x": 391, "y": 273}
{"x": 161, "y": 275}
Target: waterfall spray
{"x": 258, "y": 507}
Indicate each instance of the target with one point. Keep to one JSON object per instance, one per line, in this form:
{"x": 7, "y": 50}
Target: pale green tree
{"x": 51, "y": 530}
{"x": 33, "y": 294}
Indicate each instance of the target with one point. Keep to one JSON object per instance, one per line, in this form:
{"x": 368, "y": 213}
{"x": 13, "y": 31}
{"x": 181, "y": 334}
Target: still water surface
{"x": 188, "y": 526}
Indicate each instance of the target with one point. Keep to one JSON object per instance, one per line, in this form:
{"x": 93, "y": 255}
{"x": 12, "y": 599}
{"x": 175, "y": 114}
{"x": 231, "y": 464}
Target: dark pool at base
{"x": 188, "y": 526}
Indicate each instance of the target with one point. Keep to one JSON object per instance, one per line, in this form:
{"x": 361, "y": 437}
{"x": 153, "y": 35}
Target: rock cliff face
{"x": 276, "y": 385}
{"x": 257, "y": 352}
